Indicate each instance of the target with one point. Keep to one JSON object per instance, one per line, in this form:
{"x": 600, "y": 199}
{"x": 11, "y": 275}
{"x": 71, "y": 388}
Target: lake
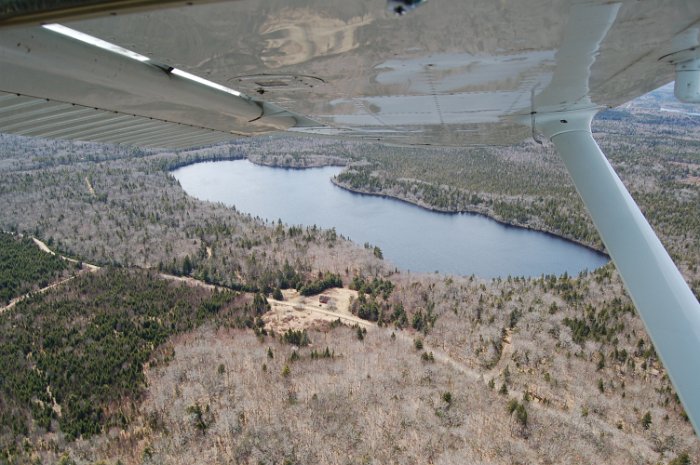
{"x": 410, "y": 237}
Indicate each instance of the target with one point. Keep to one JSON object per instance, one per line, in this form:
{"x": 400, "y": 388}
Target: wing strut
{"x": 670, "y": 311}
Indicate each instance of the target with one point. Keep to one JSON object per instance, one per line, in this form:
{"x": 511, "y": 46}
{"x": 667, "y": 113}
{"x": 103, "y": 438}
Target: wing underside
{"x": 449, "y": 73}
{"x": 39, "y": 117}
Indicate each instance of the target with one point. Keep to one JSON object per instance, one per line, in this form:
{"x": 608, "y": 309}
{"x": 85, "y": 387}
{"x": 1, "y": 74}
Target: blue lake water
{"x": 410, "y": 237}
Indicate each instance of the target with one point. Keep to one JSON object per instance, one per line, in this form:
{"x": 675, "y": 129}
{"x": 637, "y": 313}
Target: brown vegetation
{"x": 511, "y": 370}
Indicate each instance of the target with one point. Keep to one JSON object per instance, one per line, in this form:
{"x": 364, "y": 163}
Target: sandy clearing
{"x": 301, "y": 312}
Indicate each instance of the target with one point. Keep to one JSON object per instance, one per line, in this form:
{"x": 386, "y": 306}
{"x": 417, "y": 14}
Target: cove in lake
{"x": 410, "y": 237}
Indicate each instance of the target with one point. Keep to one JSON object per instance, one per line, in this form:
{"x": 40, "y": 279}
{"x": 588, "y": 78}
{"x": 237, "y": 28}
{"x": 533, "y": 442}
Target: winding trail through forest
{"x": 17, "y": 300}
{"x": 299, "y": 312}
{"x": 295, "y": 311}
{"x": 85, "y": 267}
{"x": 45, "y": 248}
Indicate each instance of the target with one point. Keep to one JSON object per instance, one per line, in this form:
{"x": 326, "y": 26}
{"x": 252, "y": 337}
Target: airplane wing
{"x": 168, "y": 73}
{"x": 448, "y": 72}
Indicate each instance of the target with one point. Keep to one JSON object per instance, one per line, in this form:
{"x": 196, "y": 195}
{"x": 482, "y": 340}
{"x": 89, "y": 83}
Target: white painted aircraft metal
{"x": 449, "y": 72}
{"x": 444, "y": 72}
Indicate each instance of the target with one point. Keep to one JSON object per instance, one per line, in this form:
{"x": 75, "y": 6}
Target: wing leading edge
{"x": 58, "y": 82}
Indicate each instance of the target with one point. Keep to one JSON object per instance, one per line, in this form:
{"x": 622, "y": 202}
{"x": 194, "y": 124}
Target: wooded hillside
{"x": 121, "y": 366}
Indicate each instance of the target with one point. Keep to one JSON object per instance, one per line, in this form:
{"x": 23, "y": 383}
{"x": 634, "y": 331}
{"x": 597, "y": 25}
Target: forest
{"x": 164, "y": 356}
{"x": 527, "y": 185}
{"x": 72, "y": 360}
{"x": 24, "y": 268}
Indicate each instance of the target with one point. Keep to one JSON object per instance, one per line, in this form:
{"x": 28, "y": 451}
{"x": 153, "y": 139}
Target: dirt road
{"x": 45, "y": 248}
{"x": 86, "y": 267}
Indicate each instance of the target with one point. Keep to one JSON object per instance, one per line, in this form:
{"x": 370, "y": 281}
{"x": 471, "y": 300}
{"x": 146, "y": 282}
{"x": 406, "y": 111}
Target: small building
{"x": 324, "y": 299}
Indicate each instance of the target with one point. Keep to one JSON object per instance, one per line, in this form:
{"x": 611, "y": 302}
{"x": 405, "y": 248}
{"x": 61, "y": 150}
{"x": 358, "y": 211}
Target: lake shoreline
{"x": 332, "y": 162}
{"x": 484, "y": 214}
{"x": 322, "y": 161}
